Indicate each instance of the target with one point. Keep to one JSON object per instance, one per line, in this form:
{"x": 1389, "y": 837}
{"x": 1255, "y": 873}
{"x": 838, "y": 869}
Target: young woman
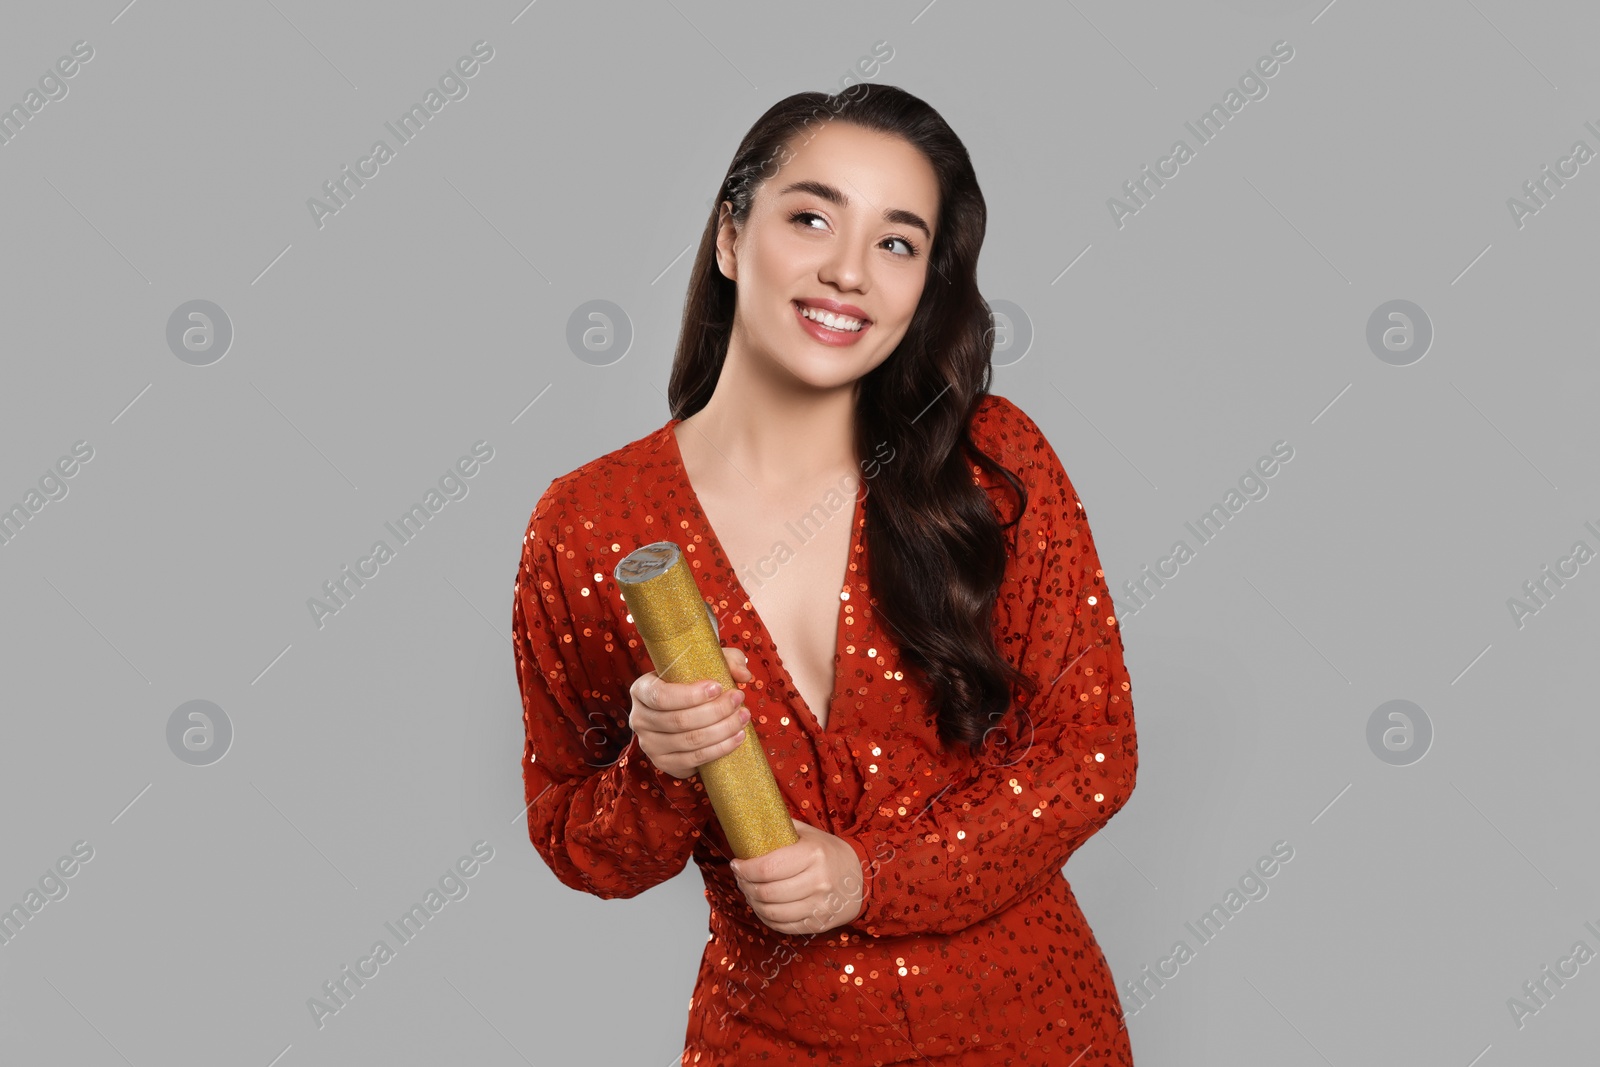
{"x": 911, "y": 605}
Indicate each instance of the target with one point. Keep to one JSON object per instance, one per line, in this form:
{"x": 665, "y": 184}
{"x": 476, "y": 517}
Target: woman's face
{"x": 843, "y": 226}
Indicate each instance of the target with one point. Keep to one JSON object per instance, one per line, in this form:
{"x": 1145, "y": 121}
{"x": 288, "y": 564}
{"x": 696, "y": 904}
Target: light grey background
{"x": 431, "y": 312}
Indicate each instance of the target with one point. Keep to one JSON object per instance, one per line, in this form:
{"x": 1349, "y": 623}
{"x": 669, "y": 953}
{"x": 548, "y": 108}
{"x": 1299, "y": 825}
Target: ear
{"x": 727, "y": 235}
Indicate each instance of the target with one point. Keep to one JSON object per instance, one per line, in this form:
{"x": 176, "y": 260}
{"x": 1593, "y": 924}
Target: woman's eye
{"x": 807, "y": 217}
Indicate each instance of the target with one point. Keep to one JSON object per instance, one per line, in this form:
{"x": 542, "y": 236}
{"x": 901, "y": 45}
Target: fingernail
{"x": 713, "y": 688}
{"x": 738, "y": 697}
{"x": 744, "y": 715}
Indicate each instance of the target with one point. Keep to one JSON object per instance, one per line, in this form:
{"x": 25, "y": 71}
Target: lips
{"x": 845, "y": 318}
{"x": 824, "y": 304}
{"x": 824, "y": 333}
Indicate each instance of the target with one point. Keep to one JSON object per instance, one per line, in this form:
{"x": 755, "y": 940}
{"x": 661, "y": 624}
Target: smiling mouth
{"x": 828, "y": 320}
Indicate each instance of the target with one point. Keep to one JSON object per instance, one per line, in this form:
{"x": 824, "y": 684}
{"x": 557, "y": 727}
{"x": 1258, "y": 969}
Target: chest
{"x": 791, "y": 558}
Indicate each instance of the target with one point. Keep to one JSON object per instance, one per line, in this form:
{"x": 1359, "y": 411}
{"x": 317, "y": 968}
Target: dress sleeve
{"x": 1056, "y": 768}
{"x": 604, "y": 819}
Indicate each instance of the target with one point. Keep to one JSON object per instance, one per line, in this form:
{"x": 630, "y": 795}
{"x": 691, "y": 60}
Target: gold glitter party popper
{"x": 680, "y": 634}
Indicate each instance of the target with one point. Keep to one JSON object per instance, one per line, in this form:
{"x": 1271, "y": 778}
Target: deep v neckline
{"x": 732, "y": 578}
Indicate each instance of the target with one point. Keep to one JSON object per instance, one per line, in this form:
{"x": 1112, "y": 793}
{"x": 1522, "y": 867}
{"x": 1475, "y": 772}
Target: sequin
{"x": 970, "y": 949}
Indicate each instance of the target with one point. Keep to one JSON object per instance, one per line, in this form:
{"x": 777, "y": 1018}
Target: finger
{"x": 808, "y": 915}
{"x": 780, "y": 892}
{"x": 738, "y": 663}
{"x": 662, "y": 695}
{"x": 724, "y": 733}
{"x": 699, "y": 757}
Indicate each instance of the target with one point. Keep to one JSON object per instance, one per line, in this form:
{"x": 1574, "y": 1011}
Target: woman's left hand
{"x": 808, "y": 887}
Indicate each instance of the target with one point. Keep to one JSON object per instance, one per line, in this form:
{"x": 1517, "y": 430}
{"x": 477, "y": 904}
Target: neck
{"x": 776, "y": 431}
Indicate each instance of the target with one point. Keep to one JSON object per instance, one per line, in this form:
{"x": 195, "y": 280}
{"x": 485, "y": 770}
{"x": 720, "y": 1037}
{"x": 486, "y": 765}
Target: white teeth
{"x": 829, "y": 319}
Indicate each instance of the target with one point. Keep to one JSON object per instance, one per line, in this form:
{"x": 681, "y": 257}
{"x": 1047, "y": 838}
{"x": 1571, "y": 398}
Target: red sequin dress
{"x": 971, "y": 948}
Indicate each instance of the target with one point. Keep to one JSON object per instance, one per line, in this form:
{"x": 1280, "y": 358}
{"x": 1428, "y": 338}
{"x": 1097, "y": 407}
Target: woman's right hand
{"x": 680, "y": 727}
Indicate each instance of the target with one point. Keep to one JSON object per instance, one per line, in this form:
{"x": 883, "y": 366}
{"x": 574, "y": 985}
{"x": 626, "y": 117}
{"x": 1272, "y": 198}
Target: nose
{"x": 845, "y": 267}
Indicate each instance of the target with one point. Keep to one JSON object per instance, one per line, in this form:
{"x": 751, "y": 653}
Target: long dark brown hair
{"x": 937, "y": 548}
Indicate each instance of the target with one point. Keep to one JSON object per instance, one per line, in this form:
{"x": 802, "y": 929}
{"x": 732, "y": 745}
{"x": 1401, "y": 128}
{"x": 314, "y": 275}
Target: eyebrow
{"x": 834, "y": 196}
